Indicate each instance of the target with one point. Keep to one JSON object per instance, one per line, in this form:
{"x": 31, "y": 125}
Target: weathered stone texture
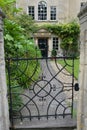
{"x": 82, "y": 106}
{"x": 4, "y": 120}
{"x": 66, "y": 9}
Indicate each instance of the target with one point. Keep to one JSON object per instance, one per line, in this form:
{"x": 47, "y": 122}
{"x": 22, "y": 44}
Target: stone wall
{"x": 66, "y": 9}
{"x": 4, "y": 120}
{"x": 82, "y": 105}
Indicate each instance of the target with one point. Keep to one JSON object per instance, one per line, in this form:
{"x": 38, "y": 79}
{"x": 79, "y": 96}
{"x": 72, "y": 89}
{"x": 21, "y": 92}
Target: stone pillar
{"x": 4, "y": 120}
{"x": 82, "y": 105}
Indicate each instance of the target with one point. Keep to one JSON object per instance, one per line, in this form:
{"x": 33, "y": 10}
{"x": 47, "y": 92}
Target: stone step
{"x": 58, "y": 124}
{"x": 45, "y": 129}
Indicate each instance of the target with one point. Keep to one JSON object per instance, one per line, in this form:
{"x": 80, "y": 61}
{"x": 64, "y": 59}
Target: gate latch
{"x": 76, "y": 87}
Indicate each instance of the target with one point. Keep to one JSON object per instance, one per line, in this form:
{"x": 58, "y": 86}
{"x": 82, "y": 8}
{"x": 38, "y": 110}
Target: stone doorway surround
{"x": 44, "y": 34}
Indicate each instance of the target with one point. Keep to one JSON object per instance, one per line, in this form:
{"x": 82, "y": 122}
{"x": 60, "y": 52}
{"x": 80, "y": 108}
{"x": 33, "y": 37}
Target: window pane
{"x": 53, "y": 12}
{"x": 42, "y": 10}
{"x": 55, "y": 43}
{"x": 31, "y": 11}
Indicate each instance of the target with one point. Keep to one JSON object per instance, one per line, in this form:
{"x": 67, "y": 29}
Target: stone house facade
{"x": 53, "y": 12}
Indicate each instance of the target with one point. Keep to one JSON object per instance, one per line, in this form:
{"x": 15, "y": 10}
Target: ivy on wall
{"x": 69, "y": 34}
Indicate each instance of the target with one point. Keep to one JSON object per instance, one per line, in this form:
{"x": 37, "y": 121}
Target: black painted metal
{"x": 47, "y": 96}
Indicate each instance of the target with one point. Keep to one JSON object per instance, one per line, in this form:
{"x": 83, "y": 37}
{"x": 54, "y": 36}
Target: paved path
{"x": 49, "y": 97}
{"x": 63, "y": 77}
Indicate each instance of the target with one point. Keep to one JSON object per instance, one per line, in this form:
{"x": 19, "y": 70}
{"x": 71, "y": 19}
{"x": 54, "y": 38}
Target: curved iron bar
{"x": 21, "y": 116}
{"x": 23, "y": 73}
{"x": 52, "y": 74}
{"x": 30, "y": 100}
{"x": 62, "y": 101}
{"x": 34, "y": 70}
{"x": 15, "y": 66}
{"x": 28, "y": 110}
{"x": 66, "y": 62}
{"x": 25, "y": 107}
{"x": 51, "y": 95}
{"x": 17, "y": 60}
{"x": 61, "y": 71}
{"x": 20, "y": 71}
{"x": 71, "y": 75}
{"x": 64, "y": 107}
{"x": 57, "y": 107}
{"x": 65, "y": 110}
{"x": 43, "y": 89}
{"x": 56, "y": 101}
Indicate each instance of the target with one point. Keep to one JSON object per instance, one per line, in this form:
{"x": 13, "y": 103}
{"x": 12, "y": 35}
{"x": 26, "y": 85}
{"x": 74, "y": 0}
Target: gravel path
{"x": 49, "y": 97}
{"x": 64, "y": 77}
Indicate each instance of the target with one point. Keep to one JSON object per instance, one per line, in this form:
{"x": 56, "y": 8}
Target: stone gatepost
{"x": 82, "y": 106}
{"x": 4, "y": 115}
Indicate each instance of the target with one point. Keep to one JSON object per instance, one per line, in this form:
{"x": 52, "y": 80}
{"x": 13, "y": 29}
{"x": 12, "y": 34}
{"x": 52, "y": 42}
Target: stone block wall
{"x": 82, "y": 105}
{"x": 4, "y": 115}
{"x": 66, "y": 9}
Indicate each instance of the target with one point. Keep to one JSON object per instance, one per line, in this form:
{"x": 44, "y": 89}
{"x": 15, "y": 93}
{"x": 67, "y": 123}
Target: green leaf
{"x": 9, "y": 37}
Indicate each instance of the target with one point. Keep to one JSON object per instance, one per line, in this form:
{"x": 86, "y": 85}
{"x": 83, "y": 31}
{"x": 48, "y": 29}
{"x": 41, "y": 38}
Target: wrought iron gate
{"x": 46, "y": 91}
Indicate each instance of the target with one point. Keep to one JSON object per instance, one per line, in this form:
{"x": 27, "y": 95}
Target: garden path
{"x": 44, "y": 97}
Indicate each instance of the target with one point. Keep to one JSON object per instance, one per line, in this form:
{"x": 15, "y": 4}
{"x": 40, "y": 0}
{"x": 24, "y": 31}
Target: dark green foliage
{"x": 53, "y": 53}
{"x": 17, "y": 45}
{"x": 16, "y": 99}
{"x": 9, "y": 8}
{"x": 14, "y": 38}
{"x": 27, "y": 23}
{"x": 30, "y": 70}
{"x": 69, "y": 34}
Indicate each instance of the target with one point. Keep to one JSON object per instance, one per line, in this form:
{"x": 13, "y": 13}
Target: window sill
{"x": 46, "y": 20}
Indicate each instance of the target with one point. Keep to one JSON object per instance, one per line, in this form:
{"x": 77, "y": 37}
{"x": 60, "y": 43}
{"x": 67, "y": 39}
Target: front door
{"x": 43, "y": 46}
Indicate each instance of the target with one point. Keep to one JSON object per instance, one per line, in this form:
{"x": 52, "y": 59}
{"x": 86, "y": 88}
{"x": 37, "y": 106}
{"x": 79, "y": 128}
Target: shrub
{"x": 54, "y": 53}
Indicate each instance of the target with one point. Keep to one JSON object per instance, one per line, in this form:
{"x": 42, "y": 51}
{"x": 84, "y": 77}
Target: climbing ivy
{"x": 69, "y": 34}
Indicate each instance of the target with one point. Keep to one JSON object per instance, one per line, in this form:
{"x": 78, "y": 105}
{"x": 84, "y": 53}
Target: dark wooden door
{"x": 43, "y": 46}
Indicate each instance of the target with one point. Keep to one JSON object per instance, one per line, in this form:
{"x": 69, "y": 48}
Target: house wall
{"x": 66, "y": 10}
{"x": 74, "y": 8}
